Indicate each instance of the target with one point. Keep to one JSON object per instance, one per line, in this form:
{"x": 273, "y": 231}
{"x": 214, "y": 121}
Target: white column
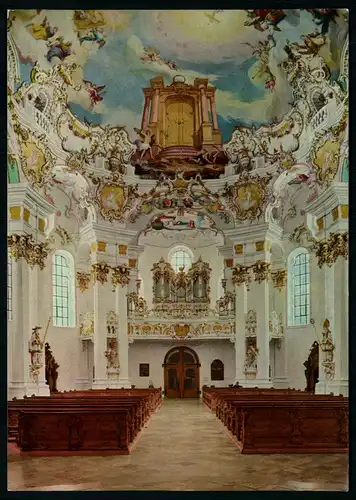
{"x": 20, "y": 355}
{"x": 100, "y": 379}
{"x": 34, "y": 304}
{"x": 84, "y": 375}
{"x": 280, "y": 306}
{"x": 335, "y": 309}
{"x": 259, "y": 293}
{"x": 240, "y": 335}
{"x": 123, "y": 342}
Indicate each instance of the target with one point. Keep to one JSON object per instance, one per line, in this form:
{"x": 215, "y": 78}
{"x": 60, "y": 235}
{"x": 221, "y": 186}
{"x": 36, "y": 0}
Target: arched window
{"x": 179, "y": 258}
{"x": 298, "y": 287}
{"x": 63, "y": 282}
{"x": 9, "y": 285}
{"x": 217, "y": 370}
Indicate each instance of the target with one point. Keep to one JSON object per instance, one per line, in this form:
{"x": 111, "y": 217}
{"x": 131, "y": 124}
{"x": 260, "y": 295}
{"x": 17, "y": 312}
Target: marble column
{"x": 122, "y": 340}
{"x": 213, "y": 113}
{"x": 204, "y": 105}
{"x": 240, "y": 333}
{"x": 154, "y": 107}
{"x": 260, "y": 294}
{"x": 100, "y": 379}
{"x": 146, "y": 109}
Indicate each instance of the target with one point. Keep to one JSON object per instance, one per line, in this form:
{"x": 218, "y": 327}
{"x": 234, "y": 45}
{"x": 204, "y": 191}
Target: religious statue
{"x": 36, "y": 347}
{"x": 51, "y": 369}
{"x": 112, "y": 355}
{"x": 327, "y": 345}
{"x": 312, "y": 368}
{"x": 251, "y": 355}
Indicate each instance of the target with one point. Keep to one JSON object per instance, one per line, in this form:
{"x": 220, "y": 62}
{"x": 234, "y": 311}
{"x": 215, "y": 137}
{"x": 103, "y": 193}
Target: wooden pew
{"x": 132, "y": 408}
{"x": 283, "y": 421}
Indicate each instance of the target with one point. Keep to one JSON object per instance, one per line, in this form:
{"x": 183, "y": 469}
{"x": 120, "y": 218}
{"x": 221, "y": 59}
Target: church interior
{"x": 177, "y": 250}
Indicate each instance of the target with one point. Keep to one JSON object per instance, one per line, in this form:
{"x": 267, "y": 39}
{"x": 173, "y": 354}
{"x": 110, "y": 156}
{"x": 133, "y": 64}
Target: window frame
{"x": 180, "y": 248}
{"x": 299, "y": 321}
{"x": 71, "y": 290}
{"x": 222, "y": 366}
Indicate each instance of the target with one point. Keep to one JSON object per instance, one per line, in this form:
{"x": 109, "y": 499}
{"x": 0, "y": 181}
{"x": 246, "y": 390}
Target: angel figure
{"x": 143, "y": 144}
{"x": 59, "y": 48}
{"x": 93, "y": 35}
{"x": 43, "y": 31}
{"x": 94, "y": 92}
{"x": 150, "y": 55}
{"x": 261, "y": 19}
{"x": 212, "y": 17}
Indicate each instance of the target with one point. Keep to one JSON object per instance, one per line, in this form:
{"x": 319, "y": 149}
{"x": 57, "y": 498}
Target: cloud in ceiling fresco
{"x": 118, "y": 52}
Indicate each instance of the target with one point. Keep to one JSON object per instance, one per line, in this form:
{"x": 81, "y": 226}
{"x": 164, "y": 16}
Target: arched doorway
{"x": 180, "y": 123}
{"x": 181, "y": 373}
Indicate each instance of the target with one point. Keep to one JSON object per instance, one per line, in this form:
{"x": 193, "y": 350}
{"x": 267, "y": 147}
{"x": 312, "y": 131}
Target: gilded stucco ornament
{"x": 279, "y": 278}
{"x": 302, "y": 234}
{"x": 86, "y": 325}
{"x": 325, "y": 156}
{"x": 327, "y": 251}
{"x": 25, "y": 246}
{"x": 100, "y": 272}
{"x": 114, "y": 197}
{"x": 247, "y": 198}
{"x": 251, "y": 323}
{"x": 261, "y": 270}
{"x": 120, "y": 275}
{"x": 137, "y": 306}
{"x": 240, "y": 275}
{"x": 83, "y": 280}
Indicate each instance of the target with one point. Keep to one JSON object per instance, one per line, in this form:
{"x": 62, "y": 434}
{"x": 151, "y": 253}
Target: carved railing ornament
{"x": 83, "y": 280}
{"x": 328, "y": 251}
{"x": 100, "y": 272}
{"x": 120, "y": 275}
{"x": 251, "y": 323}
{"x": 181, "y": 331}
{"x": 261, "y": 270}
{"x": 25, "y": 246}
{"x": 279, "y": 278}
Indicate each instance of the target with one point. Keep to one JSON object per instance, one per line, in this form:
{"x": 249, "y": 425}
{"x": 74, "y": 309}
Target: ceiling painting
{"x": 181, "y": 82}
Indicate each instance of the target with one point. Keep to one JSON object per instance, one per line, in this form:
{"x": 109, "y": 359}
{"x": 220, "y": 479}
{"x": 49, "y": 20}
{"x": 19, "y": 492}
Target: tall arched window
{"x": 217, "y": 370}
{"x": 9, "y": 285}
{"x": 181, "y": 257}
{"x": 63, "y": 291}
{"x": 298, "y": 287}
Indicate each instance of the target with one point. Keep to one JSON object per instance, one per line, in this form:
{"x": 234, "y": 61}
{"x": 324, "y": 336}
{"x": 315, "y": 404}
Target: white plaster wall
{"x": 154, "y": 353}
{"x": 151, "y": 255}
{"x": 299, "y": 341}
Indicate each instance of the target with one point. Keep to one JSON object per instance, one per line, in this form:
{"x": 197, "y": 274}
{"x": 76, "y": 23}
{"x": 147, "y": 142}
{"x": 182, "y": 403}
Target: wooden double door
{"x": 181, "y": 373}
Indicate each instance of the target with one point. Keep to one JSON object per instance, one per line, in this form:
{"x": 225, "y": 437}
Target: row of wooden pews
{"x": 81, "y": 422}
{"x": 281, "y": 420}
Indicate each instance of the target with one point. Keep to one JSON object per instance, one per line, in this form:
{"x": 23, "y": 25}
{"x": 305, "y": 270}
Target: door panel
{"x": 179, "y": 124}
{"x": 181, "y": 374}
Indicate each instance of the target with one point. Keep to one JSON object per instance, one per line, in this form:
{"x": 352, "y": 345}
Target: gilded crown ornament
{"x": 83, "y": 280}
{"x": 120, "y": 275}
{"x": 328, "y": 251}
{"x": 100, "y": 272}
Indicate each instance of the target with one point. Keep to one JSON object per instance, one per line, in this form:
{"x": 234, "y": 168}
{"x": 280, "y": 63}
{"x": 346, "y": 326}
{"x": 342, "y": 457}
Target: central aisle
{"x": 184, "y": 447}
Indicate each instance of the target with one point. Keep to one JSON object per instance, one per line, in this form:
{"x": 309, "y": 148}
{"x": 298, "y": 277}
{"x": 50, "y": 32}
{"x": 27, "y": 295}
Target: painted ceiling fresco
{"x": 119, "y": 52}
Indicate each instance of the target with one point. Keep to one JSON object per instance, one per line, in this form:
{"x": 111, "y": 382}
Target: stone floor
{"x": 184, "y": 448}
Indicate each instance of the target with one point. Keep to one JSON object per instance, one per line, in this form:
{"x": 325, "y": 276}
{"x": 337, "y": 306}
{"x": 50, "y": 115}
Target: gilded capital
{"x": 327, "y": 251}
{"x": 120, "y": 275}
{"x": 261, "y": 270}
{"x": 240, "y": 275}
{"x": 100, "y": 272}
{"x": 83, "y": 280}
{"x": 24, "y": 246}
{"x": 279, "y": 278}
